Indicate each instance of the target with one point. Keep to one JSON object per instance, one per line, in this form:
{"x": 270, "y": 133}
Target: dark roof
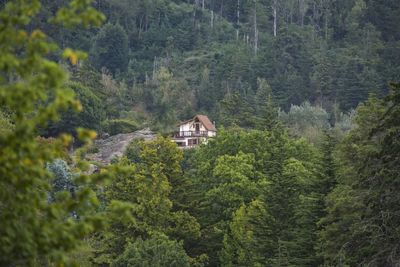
{"x": 204, "y": 120}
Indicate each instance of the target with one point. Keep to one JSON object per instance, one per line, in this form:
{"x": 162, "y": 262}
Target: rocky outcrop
{"x": 115, "y": 146}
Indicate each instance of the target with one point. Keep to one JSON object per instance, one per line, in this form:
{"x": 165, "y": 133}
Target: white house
{"x": 194, "y": 132}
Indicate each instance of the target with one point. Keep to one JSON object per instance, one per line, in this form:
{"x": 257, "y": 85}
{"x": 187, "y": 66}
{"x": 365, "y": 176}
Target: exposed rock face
{"x": 115, "y": 146}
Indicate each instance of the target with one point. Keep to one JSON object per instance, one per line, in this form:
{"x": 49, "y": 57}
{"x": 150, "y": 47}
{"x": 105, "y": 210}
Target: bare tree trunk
{"x": 274, "y": 8}
{"x": 212, "y": 19}
{"x": 202, "y": 5}
{"x": 301, "y": 12}
{"x": 255, "y": 29}
{"x": 325, "y": 14}
{"x": 140, "y": 25}
{"x": 154, "y": 68}
{"x": 326, "y": 25}
{"x": 238, "y": 13}
{"x": 237, "y": 19}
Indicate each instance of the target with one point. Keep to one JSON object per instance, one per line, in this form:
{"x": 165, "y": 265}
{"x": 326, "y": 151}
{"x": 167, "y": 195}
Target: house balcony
{"x": 183, "y": 134}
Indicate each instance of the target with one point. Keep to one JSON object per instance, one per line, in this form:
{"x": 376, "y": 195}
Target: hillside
{"x": 156, "y": 62}
{"x": 288, "y": 154}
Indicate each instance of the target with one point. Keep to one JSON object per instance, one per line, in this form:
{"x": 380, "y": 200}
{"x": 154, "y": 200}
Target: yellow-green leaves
{"x": 78, "y": 12}
{"x": 36, "y": 228}
{"x": 73, "y": 56}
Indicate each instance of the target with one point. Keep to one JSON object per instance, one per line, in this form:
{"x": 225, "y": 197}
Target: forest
{"x": 304, "y": 169}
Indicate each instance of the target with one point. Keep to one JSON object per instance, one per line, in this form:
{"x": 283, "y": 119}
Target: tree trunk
{"x": 301, "y": 11}
{"x": 212, "y": 19}
{"x": 238, "y": 13}
{"x": 326, "y": 26}
{"x": 255, "y": 29}
{"x": 274, "y": 8}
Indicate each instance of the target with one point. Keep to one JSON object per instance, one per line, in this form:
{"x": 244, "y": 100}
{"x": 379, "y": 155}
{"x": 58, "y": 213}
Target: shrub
{"x": 90, "y": 117}
{"x": 116, "y": 126}
{"x": 153, "y": 252}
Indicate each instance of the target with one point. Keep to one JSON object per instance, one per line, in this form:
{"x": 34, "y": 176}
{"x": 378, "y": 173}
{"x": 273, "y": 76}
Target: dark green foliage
{"x": 62, "y": 177}
{"x": 250, "y": 240}
{"x": 91, "y": 116}
{"x": 236, "y": 111}
{"x": 240, "y": 166}
{"x": 152, "y": 185}
{"x": 153, "y": 252}
{"x": 311, "y": 195}
{"x": 331, "y": 53}
{"x": 361, "y": 226}
{"x": 117, "y": 126}
{"x": 385, "y": 16}
{"x": 266, "y": 108}
{"x": 110, "y": 49}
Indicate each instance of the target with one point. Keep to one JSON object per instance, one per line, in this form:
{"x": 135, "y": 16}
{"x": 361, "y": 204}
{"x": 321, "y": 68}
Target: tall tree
{"x": 110, "y": 49}
{"x": 361, "y": 226}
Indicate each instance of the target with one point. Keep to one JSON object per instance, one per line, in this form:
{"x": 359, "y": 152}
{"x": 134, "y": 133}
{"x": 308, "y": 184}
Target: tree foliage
{"x": 361, "y": 225}
{"x": 156, "y": 251}
{"x": 33, "y": 230}
{"x": 110, "y": 48}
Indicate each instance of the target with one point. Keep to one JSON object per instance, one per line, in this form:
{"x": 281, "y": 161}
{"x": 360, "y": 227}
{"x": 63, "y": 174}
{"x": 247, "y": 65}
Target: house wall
{"x": 185, "y": 127}
{"x": 211, "y": 134}
{"x": 190, "y": 126}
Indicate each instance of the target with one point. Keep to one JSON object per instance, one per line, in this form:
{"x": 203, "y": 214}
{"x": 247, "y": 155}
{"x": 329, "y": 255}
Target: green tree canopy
{"x": 110, "y": 48}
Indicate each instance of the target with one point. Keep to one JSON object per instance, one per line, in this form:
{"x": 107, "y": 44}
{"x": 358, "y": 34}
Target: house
{"x": 195, "y": 131}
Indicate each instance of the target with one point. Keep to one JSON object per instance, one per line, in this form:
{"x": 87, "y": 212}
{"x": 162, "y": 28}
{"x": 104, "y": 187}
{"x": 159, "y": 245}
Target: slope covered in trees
{"x": 163, "y": 61}
{"x": 303, "y": 170}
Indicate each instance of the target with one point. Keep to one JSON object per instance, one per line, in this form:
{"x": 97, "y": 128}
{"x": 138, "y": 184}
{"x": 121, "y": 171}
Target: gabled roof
{"x": 204, "y": 120}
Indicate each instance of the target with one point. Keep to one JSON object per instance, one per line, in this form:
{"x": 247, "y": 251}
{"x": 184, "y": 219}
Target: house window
{"x": 192, "y": 142}
{"x": 180, "y": 144}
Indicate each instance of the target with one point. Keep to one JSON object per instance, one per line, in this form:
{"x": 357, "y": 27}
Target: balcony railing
{"x": 183, "y": 134}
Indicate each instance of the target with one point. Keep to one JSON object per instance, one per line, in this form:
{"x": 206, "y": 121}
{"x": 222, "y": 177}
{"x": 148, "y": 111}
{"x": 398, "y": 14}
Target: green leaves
{"x": 147, "y": 186}
{"x": 360, "y": 226}
{"x": 78, "y": 12}
{"x": 33, "y": 229}
{"x": 110, "y": 49}
{"x": 156, "y": 251}
{"x": 256, "y": 196}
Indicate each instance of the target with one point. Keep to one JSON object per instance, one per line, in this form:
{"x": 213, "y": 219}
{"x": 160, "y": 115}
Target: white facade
{"x": 194, "y": 132}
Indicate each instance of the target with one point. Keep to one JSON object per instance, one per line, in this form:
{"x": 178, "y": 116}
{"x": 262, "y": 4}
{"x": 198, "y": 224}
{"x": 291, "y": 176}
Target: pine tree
{"x": 267, "y": 110}
{"x": 110, "y": 49}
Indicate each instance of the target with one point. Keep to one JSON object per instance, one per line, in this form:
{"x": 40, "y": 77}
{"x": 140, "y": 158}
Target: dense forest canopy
{"x": 303, "y": 170}
{"x": 169, "y": 60}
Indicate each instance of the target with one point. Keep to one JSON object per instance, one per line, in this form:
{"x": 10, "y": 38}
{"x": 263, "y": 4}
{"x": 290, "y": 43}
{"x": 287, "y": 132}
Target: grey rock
{"x": 115, "y": 146}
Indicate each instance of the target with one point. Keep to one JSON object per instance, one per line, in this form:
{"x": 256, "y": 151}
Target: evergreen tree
{"x": 250, "y": 240}
{"x": 266, "y": 108}
{"x": 236, "y": 111}
{"x": 110, "y": 49}
{"x": 360, "y": 228}
{"x": 154, "y": 252}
